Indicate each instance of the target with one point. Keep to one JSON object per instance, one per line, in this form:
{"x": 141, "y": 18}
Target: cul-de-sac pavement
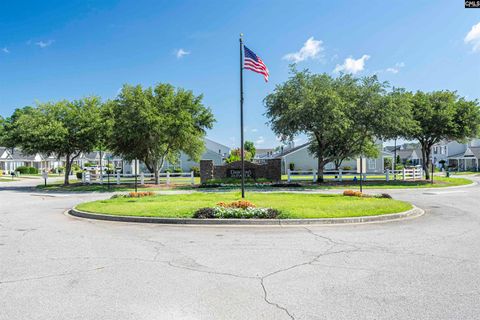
{"x": 54, "y": 266}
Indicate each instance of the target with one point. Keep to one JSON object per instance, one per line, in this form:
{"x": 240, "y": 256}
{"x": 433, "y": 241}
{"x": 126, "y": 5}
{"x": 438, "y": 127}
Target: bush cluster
{"x": 240, "y": 204}
{"x": 352, "y": 193}
{"x": 196, "y": 171}
{"x": 27, "y": 170}
{"x": 236, "y": 213}
{"x": 141, "y": 194}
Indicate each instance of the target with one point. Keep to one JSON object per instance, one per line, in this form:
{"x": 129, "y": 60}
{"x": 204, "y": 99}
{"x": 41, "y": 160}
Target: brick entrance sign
{"x": 270, "y": 170}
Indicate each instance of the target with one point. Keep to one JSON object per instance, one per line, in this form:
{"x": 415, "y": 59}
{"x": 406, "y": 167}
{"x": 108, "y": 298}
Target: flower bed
{"x": 240, "y": 209}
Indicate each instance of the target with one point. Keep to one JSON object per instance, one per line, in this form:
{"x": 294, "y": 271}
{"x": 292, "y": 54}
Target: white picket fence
{"x": 120, "y": 178}
{"x": 410, "y": 174}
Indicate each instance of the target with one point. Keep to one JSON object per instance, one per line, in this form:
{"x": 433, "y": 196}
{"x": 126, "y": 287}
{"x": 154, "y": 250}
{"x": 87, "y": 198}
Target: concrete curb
{"x": 412, "y": 213}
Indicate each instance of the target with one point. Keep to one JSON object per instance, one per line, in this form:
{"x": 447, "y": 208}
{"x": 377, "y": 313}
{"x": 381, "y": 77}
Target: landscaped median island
{"x": 230, "y": 204}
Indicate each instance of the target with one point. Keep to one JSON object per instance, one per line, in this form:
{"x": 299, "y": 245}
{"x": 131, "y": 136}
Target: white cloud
{"x": 260, "y": 140}
{"x": 5, "y": 50}
{"x": 44, "y": 44}
{"x": 473, "y": 37}
{"x": 395, "y": 69}
{"x": 311, "y": 49}
{"x": 180, "y": 53}
{"x": 351, "y": 65}
{"x": 254, "y": 130}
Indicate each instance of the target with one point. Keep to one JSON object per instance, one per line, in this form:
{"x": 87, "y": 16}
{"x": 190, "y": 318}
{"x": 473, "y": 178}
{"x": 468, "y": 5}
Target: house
{"x": 12, "y": 158}
{"x": 303, "y": 160}
{"x": 263, "y": 153}
{"x": 213, "y": 151}
{"x": 410, "y": 156}
{"x": 457, "y": 155}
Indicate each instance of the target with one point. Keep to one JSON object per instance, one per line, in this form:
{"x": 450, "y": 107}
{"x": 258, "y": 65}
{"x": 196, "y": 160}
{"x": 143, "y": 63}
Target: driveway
{"x": 53, "y": 266}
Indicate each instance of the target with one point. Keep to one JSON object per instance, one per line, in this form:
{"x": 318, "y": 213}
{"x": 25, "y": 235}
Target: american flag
{"x": 254, "y": 63}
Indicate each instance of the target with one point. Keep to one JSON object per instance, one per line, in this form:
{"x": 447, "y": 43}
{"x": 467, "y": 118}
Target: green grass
{"x": 76, "y": 186}
{"x": 439, "y": 182}
{"x": 465, "y": 173}
{"x": 291, "y": 205}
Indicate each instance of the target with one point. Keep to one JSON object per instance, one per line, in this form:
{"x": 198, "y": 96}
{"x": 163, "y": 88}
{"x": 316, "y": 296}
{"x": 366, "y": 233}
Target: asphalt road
{"x": 53, "y": 266}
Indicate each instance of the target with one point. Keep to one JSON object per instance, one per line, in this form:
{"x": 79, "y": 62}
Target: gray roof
{"x": 18, "y": 155}
{"x": 475, "y": 151}
{"x": 291, "y": 150}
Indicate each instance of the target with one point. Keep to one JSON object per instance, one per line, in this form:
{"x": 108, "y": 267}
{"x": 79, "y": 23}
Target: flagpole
{"x": 241, "y": 116}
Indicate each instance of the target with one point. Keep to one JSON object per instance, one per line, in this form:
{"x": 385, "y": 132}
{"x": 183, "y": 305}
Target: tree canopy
{"x": 156, "y": 124}
{"x": 250, "y": 147}
{"x": 64, "y": 129}
{"x": 342, "y": 116}
{"x": 440, "y": 115}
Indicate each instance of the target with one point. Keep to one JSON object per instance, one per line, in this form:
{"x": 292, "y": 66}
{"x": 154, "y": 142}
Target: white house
{"x": 213, "y": 151}
{"x": 303, "y": 160}
{"x": 457, "y": 155}
{"x": 11, "y": 159}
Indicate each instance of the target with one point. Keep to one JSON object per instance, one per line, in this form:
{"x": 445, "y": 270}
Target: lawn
{"x": 291, "y": 205}
{"x": 75, "y": 186}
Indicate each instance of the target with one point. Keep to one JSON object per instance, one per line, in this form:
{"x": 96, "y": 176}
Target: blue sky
{"x": 51, "y": 50}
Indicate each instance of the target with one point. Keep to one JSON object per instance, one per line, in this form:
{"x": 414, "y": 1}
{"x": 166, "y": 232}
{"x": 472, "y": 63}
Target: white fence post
{"x": 314, "y": 175}
{"x": 101, "y": 176}
{"x": 88, "y": 178}
{"x": 403, "y": 174}
{"x": 192, "y": 177}
{"x": 340, "y": 175}
{"x": 118, "y": 177}
{"x": 83, "y": 177}
{"x": 288, "y": 173}
{"x": 168, "y": 178}
{"x": 142, "y": 178}
{"x": 387, "y": 175}
{"x": 364, "y": 177}
{"x": 413, "y": 173}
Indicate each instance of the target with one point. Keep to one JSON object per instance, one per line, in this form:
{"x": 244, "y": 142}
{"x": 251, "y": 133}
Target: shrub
{"x": 178, "y": 170}
{"x": 286, "y": 185}
{"x": 76, "y": 168}
{"x": 384, "y": 196}
{"x": 140, "y": 194}
{"x": 241, "y": 204}
{"x": 79, "y": 175}
{"x": 27, "y": 170}
{"x": 347, "y": 168}
{"x": 352, "y": 193}
{"x": 291, "y": 166}
{"x": 115, "y": 196}
{"x": 196, "y": 171}
{"x": 204, "y": 213}
{"x": 236, "y": 213}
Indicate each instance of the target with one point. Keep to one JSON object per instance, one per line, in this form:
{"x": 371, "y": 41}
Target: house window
{"x": 372, "y": 164}
{"x": 435, "y": 150}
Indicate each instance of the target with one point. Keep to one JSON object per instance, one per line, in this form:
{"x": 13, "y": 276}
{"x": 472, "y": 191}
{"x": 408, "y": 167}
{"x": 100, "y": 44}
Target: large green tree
{"x": 65, "y": 129}
{"x": 342, "y": 116}
{"x": 156, "y": 124}
{"x": 308, "y": 104}
{"x": 250, "y": 147}
{"x": 442, "y": 115}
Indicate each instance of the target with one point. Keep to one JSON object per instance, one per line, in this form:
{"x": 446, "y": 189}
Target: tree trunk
{"x": 425, "y": 156}
{"x": 68, "y": 167}
{"x": 156, "y": 172}
{"x": 428, "y": 164}
{"x": 320, "y": 168}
